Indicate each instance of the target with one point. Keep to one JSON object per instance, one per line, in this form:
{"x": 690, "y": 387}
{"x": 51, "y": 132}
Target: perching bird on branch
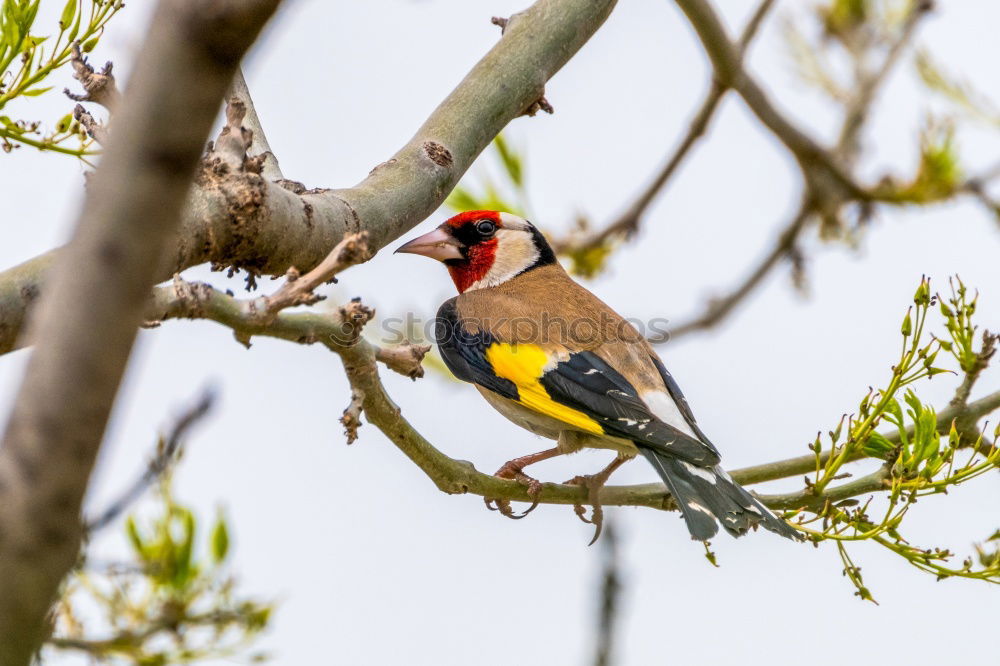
{"x": 554, "y": 359}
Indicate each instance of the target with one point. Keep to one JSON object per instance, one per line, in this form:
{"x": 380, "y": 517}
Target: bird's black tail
{"x": 708, "y": 494}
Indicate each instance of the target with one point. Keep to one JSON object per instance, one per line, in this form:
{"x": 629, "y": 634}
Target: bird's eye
{"x": 486, "y": 227}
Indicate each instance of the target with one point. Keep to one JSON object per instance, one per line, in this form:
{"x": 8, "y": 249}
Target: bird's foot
{"x": 513, "y": 470}
{"x": 593, "y": 483}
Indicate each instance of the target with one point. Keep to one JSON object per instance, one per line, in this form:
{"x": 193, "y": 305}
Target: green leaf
{"x": 493, "y": 200}
{"x": 928, "y": 442}
{"x": 69, "y": 12}
{"x": 35, "y": 92}
{"x": 892, "y": 407}
{"x": 511, "y": 160}
{"x": 913, "y": 402}
{"x": 64, "y": 123}
{"x": 462, "y": 199}
{"x": 960, "y": 93}
{"x": 178, "y": 554}
{"x": 132, "y": 531}
{"x": 258, "y": 619}
{"x": 589, "y": 261}
{"x": 220, "y": 540}
{"x": 11, "y": 125}
{"x": 923, "y": 293}
{"x": 877, "y": 446}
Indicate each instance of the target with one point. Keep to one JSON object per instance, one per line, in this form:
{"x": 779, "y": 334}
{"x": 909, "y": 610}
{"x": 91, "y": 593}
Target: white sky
{"x": 371, "y": 563}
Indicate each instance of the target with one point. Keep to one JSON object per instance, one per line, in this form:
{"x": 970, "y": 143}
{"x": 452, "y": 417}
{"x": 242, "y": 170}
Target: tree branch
{"x": 340, "y": 332}
{"x": 728, "y": 67}
{"x": 165, "y": 455}
{"x": 877, "y": 481}
{"x": 241, "y": 220}
{"x": 611, "y": 584}
{"x": 88, "y": 319}
{"x": 828, "y": 185}
{"x": 628, "y": 222}
{"x": 298, "y": 290}
{"x": 98, "y": 87}
{"x": 270, "y": 170}
{"x": 860, "y": 104}
{"x": 982, "y": 360}
{"x": 971, "y": 413}
{"x": 718, "y": 309}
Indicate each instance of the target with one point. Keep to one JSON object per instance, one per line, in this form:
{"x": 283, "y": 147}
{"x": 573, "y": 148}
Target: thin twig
{"x": 728, "y": 67}
{"x": 629, "y": 221}
{"x": 983, "y": 357}
{"x": 827, "y": 187}
{"x": 718, "y": 309}
{"x": 167, "y": 452}
{"x": 299, "y": 289}
{"x": 611, "y": 584}
{"x": 98, "y": 87}
{"x": 168, "y": 623}
{"x": 867, "y": 86}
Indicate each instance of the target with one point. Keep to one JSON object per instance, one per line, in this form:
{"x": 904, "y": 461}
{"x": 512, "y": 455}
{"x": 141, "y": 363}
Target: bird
{"x": 554, "y": 359}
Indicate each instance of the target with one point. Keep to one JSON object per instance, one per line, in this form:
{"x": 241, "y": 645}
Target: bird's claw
{"x": 514, "y": 473}
{"x": 593, "y": 483}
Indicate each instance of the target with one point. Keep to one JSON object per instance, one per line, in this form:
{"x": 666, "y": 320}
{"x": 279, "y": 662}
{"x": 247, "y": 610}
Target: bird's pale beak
{"x": 438, "y": 244}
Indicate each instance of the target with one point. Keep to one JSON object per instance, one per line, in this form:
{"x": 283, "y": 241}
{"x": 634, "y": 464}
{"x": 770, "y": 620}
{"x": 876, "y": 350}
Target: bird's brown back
{"x": 545, "y": 306}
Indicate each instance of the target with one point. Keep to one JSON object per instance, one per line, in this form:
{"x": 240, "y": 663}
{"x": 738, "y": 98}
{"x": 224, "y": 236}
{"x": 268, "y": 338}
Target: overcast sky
{"x": 371, "y": 564}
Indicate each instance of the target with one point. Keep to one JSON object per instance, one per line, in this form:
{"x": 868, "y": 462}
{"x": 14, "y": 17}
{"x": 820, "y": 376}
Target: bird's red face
{"x": 483, "y": 248}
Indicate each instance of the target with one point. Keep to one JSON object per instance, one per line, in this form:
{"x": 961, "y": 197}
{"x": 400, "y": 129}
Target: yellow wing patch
{"x": 524, "y": 365}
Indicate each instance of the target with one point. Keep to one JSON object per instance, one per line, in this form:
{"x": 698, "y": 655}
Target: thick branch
{"x": 243, "y": 220}
{"x": 877, "y": 481}
{"x": 89, "y": 315}
{"x": 270, "y": 170}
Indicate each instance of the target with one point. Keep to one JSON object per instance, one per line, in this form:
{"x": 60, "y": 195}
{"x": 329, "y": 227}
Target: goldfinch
{"x": 551, "y": 357}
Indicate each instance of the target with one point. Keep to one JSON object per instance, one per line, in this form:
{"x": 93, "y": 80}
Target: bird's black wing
{"x": 678, "y": 397}
{"x": 589, "y": 384}
{"x": 464, "y": 352}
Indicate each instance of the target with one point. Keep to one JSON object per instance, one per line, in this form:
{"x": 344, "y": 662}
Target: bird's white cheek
{"x": 665, "y": 409}
{"x": 515, "y": 252}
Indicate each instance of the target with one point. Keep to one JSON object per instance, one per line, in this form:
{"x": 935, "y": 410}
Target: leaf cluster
{"x": 173, "y": 601}
{"x": 27, "y": 59}
{"x": 918, "y": 459}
